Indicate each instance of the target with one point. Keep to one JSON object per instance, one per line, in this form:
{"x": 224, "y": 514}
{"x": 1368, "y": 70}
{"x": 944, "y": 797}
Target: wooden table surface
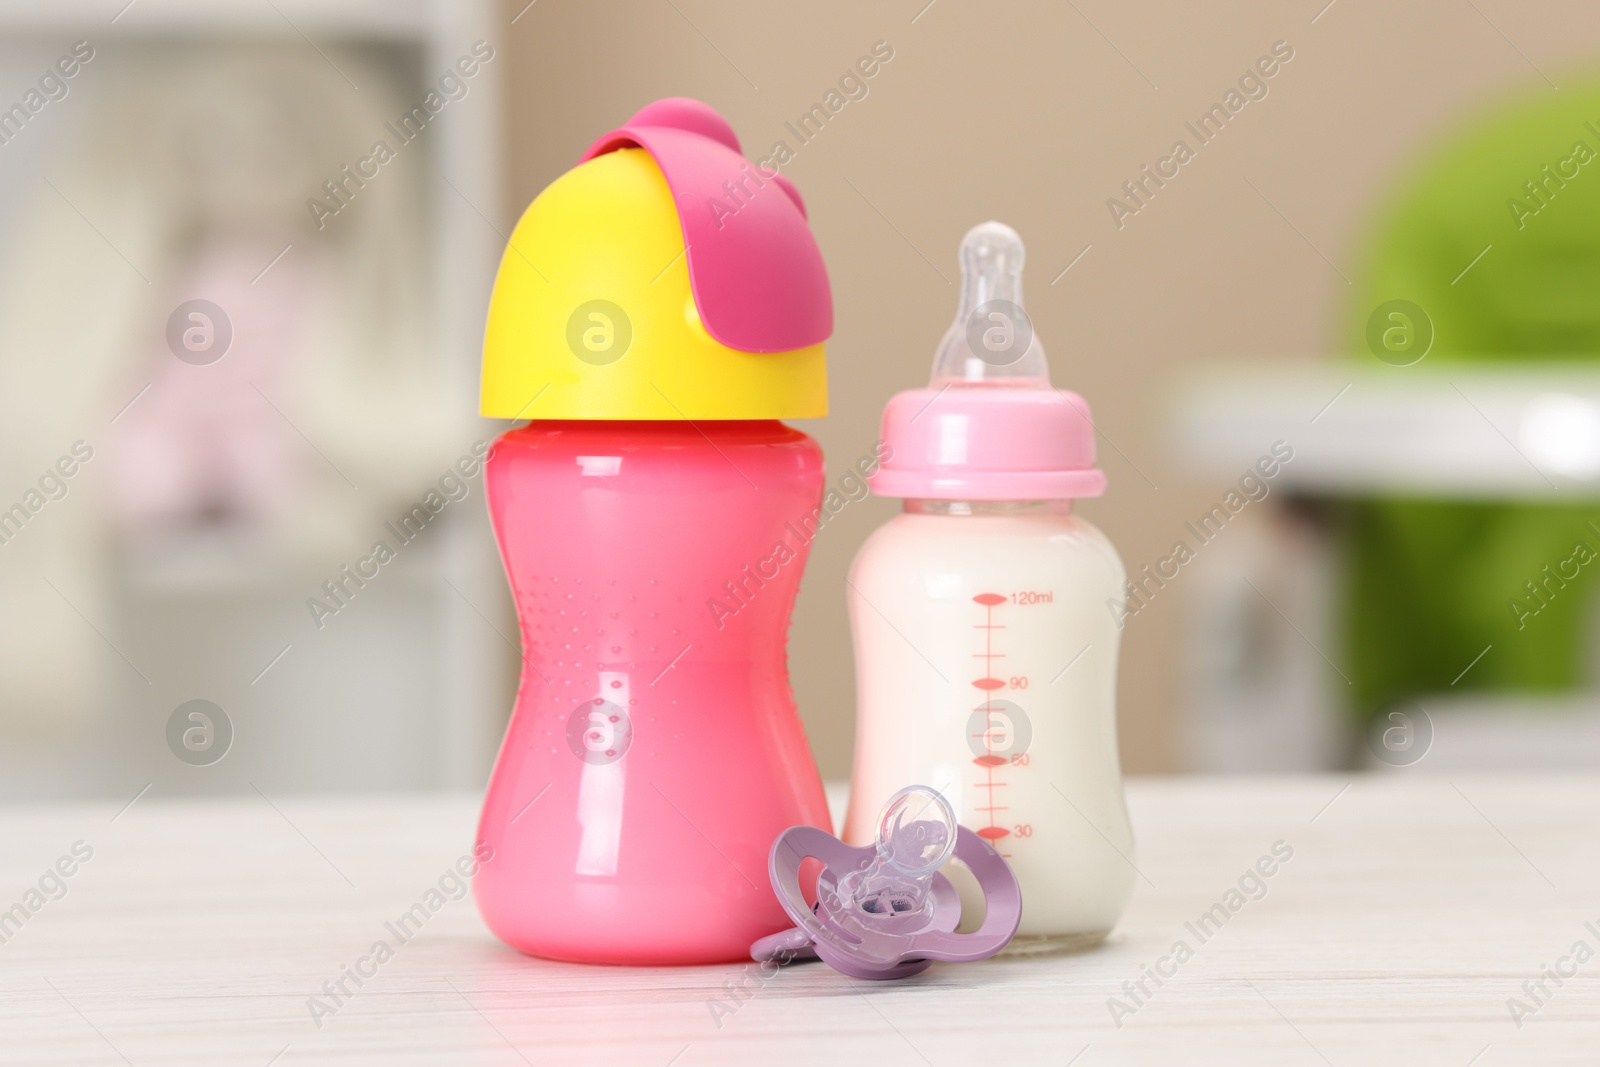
{"x": 1407, "y": 920}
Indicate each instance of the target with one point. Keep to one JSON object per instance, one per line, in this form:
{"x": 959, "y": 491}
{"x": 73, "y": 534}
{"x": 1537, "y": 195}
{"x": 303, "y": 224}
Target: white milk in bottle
{"x": 986, "y": 651}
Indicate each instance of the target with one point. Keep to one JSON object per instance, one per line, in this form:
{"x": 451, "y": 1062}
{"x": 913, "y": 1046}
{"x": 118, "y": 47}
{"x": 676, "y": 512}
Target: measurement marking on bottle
{"x": 1033, "y": 596}
{"x": 988, "y": 684}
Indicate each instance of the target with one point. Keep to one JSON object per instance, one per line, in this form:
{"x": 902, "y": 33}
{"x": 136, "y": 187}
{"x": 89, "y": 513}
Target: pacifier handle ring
{"x": 792, "y": 944}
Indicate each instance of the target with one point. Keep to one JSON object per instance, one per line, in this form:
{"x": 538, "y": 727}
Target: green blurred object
{"x": 1431, "y": 582}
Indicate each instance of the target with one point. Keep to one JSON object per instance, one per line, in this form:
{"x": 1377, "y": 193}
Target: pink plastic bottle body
{"x": 655, "y": 752}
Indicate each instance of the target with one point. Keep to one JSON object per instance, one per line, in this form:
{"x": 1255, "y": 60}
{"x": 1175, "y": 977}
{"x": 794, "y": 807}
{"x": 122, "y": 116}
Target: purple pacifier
{"x": 884, "y": 910}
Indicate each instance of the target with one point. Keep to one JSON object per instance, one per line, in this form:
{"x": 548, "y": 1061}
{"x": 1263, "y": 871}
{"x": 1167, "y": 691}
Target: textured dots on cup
{"x": 999, "y": 332}
{"x": 199, "y": 733}
{"x": 599, "y": 732}
{"x": 199, "y": 332}
{"x": 1399, "y": 332}
{"x": 599, "y": 332}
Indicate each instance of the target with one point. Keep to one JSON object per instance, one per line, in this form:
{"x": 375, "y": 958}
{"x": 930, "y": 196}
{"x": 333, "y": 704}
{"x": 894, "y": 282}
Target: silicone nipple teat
{"x": 991, "y": 340}
{"x": 916, "y": 835}
{"x": 885, "y": 910}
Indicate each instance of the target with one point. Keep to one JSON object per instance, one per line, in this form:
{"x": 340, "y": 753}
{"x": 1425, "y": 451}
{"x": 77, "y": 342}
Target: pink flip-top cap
{"x": 758, "y": 279}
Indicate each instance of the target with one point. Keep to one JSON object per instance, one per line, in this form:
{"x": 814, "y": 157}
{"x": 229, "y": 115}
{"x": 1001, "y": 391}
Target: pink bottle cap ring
{"x": 884, "y": 910}
{"x": 988, "y": 443}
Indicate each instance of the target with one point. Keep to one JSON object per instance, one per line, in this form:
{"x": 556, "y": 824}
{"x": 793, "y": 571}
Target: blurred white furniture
{"x": 1528, "y": 431}
{"x": 1261, "y": 675}
{"x": 1408, "y": 914}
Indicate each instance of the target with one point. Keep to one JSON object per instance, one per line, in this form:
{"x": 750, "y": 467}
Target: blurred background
{"x": 239, "y": 342}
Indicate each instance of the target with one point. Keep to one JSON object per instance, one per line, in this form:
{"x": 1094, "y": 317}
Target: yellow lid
{"x": 593, "y": 315}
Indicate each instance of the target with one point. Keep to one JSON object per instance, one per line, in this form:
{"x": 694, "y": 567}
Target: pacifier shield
{"x": 885, "y": 910}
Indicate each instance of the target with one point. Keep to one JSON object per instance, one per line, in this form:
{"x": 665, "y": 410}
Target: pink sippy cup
{"x": 658, "y": 309}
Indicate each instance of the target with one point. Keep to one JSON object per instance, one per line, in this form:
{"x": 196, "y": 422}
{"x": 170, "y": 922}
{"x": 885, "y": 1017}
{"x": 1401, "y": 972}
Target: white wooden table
{"x": 1411, "y": 911}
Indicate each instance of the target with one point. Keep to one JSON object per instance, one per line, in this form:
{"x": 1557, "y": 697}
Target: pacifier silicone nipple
{"x": 916, "y": 835}
{"x": 991, "y": 340}
{"x": 885, "y": 910}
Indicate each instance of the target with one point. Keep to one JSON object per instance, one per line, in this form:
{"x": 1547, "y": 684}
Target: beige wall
{"x": 1035, "y": 114}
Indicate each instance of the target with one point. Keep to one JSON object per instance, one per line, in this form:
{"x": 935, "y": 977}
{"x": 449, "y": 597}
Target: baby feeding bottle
{"x": 658, "y": 309}
{"x": 986, "y": 657}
